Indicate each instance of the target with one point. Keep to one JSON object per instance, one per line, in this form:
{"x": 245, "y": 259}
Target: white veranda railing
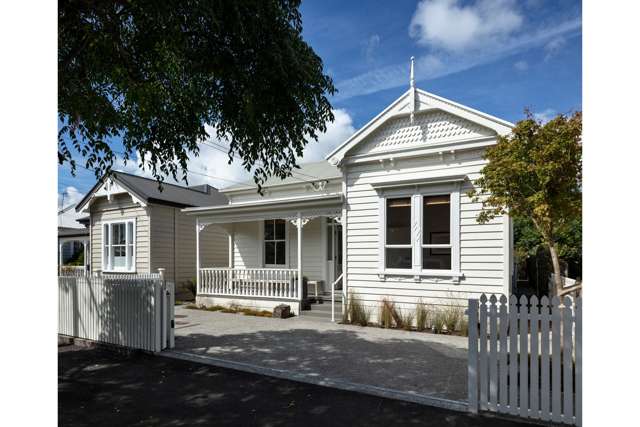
{"x": 250, "y": 282}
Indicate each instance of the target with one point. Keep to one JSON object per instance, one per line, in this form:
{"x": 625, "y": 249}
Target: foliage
{"x": 422, "y": 316}
{"x": 406, "y": 317}
{"x": 536, "y": 173}
{"x": 528, "y": 241}
{"x": 451, "y": 317}
{"x": 231, "y": 308}
{"x": 153, "y": 74}
{"x": 356, "y": 313}
{"x": 77, "y": 258}
{"x": 439, "y": 321}
{"x": 387, "y": 313}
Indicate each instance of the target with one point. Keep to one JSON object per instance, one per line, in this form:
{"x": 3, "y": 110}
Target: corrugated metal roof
{"x": 308, "y": 172}
{"x": 171, "y": 193}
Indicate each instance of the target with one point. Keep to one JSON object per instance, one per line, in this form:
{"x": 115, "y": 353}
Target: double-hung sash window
{"x": 118, "y": 252}
{"x": 275, "y": 242}
{"x": 421, "y": 232}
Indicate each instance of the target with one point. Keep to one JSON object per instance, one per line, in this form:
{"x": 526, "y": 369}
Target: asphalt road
{"x": 102, "y": 388}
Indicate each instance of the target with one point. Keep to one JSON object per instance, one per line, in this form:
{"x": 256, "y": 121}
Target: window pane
{"x": 280, "y": 253}
{"x": 130, "y": 232}
{"x": 436, "y": 214}
{"x": 268, "y": 230}
{"x": 130, "y": 257}
{"x": 119, "y": 257}
{"x": 105, "y": 234}
{"x": 269, "y": 253}
{"x": 279, "y": 224}
{"x": 119, "y": 237}
{"x": 398, "y": 258}
{"x": 399, "y": 221}
{"x": 436, "y": 258}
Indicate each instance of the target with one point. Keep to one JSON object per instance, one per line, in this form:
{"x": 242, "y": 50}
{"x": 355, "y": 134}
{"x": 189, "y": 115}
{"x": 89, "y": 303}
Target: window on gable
{"x": 398, "y": 253}
{"x": 275, "y": 244}
{"x": 118, "y": 246}
{"x": 436, "y": 232}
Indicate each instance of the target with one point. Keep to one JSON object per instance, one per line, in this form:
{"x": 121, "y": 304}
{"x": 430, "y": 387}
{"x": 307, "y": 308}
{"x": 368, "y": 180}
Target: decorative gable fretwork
{"x": 427, "y": 128}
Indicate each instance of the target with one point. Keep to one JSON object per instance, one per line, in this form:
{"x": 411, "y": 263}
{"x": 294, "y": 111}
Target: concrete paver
{"x": 411, "y": 362}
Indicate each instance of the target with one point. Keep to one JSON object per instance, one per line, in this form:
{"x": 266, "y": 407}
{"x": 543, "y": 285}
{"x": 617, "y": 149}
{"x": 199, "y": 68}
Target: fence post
{"x": 163, "y": 302}
{"x": 578, "y": 350}
{"x": 472, "y": 374}
{"x": 172, "y": 322}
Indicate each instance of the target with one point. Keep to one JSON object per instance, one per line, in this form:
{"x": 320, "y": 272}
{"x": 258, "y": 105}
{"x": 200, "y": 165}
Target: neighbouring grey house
{"x": 136, "y": 227}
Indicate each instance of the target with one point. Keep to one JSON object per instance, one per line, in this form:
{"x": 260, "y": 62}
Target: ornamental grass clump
{"x": 406, "y": 317}
{"x": 439, "y": 322}
{"x": 356, "y": 313}
{"x": 422, "y": 316}
{"x": 385, "y": 314}
{"x": 451, "y": 317}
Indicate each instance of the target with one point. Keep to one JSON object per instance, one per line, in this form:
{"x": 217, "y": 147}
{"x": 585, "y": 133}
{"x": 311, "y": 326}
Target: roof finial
{"x": 412, "y": 80}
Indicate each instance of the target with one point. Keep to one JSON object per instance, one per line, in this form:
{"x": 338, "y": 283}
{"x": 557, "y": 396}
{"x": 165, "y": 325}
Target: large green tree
{"x": 152, "y": 74}
{"x": 535, "y": 173}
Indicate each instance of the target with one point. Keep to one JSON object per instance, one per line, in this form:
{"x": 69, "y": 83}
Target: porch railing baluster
{"x": 250, "y": 282}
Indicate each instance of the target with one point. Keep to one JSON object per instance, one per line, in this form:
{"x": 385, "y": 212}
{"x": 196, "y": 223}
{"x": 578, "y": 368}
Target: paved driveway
{"x": 420, "y": 364}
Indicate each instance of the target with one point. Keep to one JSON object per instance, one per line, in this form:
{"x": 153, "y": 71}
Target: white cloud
{"x": 211, "y": 166}
{"x": 521, "y": 66}
{"x": 434, "y": 65}
{"x": 337, "y": 132}
{"x": 554, "y": 47}
{"x": 545, "y": 115}
{"x": 371, "y": 47}
{"x": 69, "y": 197}
{"x": 454, "y": 27}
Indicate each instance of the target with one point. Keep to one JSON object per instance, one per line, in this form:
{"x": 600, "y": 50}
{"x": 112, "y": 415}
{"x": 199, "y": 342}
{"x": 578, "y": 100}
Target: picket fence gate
{"x": 526, "y": 359}
{"x": 133, "y": 311}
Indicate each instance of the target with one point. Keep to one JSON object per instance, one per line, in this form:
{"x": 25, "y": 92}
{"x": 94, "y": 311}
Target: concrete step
{"x": 321, "y": 314}
{"x": 324, "y": 307}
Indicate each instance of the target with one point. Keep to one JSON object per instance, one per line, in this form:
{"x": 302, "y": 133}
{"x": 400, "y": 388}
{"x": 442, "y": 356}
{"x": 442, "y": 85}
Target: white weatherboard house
{"x": 385, "y": 215}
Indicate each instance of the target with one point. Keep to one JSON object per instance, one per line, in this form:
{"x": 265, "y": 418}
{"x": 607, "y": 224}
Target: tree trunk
{"x": 555, "y": 261}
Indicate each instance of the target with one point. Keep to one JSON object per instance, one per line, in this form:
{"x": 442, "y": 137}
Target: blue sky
{"x": 498, "y": 56}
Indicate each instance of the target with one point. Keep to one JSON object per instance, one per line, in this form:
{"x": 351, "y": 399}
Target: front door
{"x": 334, "y": 252}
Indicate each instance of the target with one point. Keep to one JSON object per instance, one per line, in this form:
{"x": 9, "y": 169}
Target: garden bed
{"x": 448, "y": 320}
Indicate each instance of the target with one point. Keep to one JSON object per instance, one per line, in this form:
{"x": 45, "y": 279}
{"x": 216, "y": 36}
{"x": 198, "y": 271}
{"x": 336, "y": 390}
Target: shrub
{"x": 385, "y": 314}
{"x": 356, "y": 313}
{"x": 438, "y": 321}
{"x": 422, "y": 316}
{"x": 406, "y": 317}
{"x": 464, "y": 326}
{"x": 452, "y": 316}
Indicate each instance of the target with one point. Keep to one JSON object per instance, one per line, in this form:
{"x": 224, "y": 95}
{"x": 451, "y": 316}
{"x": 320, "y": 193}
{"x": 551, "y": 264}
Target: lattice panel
{"x": 427, "y": 128}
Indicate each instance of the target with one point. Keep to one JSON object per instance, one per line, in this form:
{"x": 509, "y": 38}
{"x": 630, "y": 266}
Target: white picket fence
{"x": 134, "y": 311}
{"x": 526, "y": 359}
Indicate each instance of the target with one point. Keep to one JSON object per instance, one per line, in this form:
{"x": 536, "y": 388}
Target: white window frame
{"x": 264, "y": 241}
{"x": 107, "y": 261}
{"x": 417, "y": 192}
